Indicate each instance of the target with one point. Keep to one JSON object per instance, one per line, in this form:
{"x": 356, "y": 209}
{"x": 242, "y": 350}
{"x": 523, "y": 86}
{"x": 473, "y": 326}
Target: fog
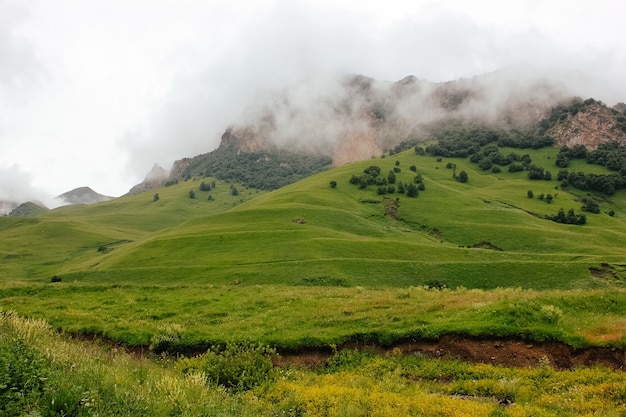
{"x": 94, "y": 93}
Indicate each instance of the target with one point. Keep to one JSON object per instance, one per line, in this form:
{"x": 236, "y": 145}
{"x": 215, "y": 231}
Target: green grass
{"x": 132, "y": 268}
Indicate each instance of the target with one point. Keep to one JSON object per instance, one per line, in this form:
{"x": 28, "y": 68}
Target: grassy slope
{"x": 309, "y": 231}
{"x": 169, "y": 266}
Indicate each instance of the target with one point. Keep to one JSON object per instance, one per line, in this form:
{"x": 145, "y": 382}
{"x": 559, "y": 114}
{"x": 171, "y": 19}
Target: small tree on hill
{"x": 463, "y": 177}
{"x": 192, "y": 194}
{"x": 411, "y": 190}
{"x": 156, "y": 197}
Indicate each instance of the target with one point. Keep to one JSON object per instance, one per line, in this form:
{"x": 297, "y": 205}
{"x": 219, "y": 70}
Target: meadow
{"x": 316, "y": 267}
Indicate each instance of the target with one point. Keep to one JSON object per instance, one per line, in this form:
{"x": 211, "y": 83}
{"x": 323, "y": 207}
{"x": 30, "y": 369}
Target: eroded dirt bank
{"x": 506, "y": 352}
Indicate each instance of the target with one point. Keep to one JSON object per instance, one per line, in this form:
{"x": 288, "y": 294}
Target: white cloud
{"x": 93, "y": 93}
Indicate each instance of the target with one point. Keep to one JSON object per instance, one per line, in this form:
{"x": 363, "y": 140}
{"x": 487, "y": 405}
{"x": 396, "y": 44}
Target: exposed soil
{"x": 505, "y": 352}
{"x": 391, "y": 208}
{"x": 486, "y": 245}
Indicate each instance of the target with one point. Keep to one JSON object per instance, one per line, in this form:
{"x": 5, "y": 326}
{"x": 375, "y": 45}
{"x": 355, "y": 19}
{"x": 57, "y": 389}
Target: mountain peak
{"x": 82, "y": 195}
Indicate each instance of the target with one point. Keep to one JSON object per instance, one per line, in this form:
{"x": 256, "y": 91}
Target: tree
{"x": 204, "y": 186}
{"x": 234, "y": 190}
{"x": 397, "y": 163}
{"x": 391, "y": 177}
{"x": 156, "y": 197}
{"x": 333, "y": 184}
{"x": 411, "y": 190}
{"x": 549, "y": 198}
{"x": 192, "y": 194}
{"x": 413, "y": 168}
{"x": 463, "y": 177}
{"x": 530, "y": 194}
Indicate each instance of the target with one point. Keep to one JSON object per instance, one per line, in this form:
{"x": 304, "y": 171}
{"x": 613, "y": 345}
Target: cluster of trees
{"x": 567, "y": 218}
{"x": 548, "y": 198}
{"x": 489, "y": 157}
{"x": 611, "y": 155}
{"x": 386, "y": 184}
{"x": 462, "y": 140}
{"x": 538, "y": 173}
{"x": 266, "y": 171}
{"x": 606, "y": 184}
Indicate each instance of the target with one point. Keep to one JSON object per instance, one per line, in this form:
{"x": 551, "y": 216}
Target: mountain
{"x": 311, "y": 126}
{"x": 28, "y": 209}
{"x": 155, "y": 178}
{"x": 82, "y": 195}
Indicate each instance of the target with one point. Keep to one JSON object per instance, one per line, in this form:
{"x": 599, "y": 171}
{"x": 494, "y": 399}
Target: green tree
{"x": 391, "y": 177}
{"x": 463, "y": 177}
{"x": 530, "y": 194}
{"x": 333, "y": 184}
{"x": 204, "y": 186}
{"x": 155, "y": 197}
{"x": 411, "y": 190}
{"x": 192, "y": 194}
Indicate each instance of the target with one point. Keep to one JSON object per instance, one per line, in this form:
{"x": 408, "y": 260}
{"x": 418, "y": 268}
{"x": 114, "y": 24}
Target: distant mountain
{"x": 28, "y": 209}
{"x": 82, "y": 195}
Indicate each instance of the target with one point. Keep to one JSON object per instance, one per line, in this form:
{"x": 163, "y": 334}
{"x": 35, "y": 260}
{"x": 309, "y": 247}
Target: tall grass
{"x": 75, "y": 378}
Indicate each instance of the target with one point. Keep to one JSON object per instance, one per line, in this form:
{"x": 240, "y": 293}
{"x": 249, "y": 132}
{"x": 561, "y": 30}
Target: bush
{"x": 237, "y": 367}
{"x": 56, "y": 278}
{"x": 23, "y": 374}
{"x": 333, "y": 184}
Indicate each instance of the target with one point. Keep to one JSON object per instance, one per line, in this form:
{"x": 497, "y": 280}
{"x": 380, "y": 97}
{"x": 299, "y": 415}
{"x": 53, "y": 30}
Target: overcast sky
{"x": 94, "y": 92}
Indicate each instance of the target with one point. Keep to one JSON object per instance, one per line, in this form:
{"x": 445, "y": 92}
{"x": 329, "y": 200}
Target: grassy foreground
{"x": 46, "y": 374}
{"x": 191, "y": 318}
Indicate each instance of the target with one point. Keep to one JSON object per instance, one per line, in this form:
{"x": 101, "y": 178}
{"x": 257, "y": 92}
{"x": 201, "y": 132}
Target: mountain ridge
{"x": 360, "y": 118}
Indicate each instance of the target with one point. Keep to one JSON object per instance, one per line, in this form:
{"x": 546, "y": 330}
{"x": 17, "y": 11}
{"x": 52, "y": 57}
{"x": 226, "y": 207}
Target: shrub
{"x": 56, "y": 278}
{"x": 333, "y": 184}
{"x": 23, "y": 374}
{"x": 237, "y": 367}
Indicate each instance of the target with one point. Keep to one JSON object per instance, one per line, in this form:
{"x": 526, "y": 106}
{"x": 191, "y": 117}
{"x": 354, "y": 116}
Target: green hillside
{"x": 312, "y": 264}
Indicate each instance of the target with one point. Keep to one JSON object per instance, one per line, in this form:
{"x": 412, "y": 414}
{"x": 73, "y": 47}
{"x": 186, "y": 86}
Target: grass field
{"x": 323, "y": 265}
{"x": 308, "y": 267}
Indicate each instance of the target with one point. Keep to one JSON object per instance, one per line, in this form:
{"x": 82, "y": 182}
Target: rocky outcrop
{"x": 593, "y": 124}
{"x": 157, "y": 177}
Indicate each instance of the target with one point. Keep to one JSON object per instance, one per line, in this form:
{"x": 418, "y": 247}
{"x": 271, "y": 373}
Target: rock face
{"x": 359, "y": 117}
{"x": 593, "y": 124}
{"x": 156, "y": 177}
{"x": 82, "y": 195}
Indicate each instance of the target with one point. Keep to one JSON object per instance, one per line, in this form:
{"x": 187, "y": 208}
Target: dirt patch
{"x": 486, "y": 245}
{"x": 504, "y": 352}
{"x": 605, "y": 271}
{"x": 391, "y": 208}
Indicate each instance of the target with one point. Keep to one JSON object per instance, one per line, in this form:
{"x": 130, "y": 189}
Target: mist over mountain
{"x": 82, "y": 195}
{"x": 356, "y": 117}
